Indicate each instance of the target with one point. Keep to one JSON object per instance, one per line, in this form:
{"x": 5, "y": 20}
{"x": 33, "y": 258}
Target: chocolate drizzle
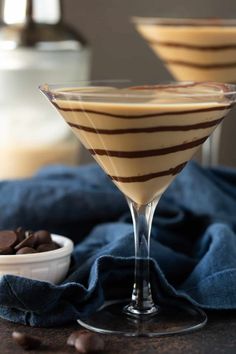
{"x": 148, "y": 153}
{"x": 190, "y": 22}
{"x": 172, "y": 171}
{"x": 200, "y": 65}
{"x": 218, "y": 47}
{"x": 159, "y": 86}
{"x": 156, "y": 114}
{"x": 166, "y": 128}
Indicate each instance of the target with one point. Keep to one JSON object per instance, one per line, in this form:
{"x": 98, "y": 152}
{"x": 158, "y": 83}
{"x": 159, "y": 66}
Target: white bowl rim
{"x": 65, "y": 250}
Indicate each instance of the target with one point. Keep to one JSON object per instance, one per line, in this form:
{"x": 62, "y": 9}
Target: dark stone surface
{"x": 219, "y": 336}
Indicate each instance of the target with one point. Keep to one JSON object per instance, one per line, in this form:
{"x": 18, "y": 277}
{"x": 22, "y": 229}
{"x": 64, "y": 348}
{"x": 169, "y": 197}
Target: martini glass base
{"x": 170, "y": 319}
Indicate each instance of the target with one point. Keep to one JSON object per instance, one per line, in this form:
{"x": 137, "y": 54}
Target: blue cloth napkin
{"x": 193, "y": 241}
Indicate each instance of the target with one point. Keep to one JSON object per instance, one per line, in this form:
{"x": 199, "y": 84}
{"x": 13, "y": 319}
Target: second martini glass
{"x": 142, "y": 136}
{"x": 194, "y": 49}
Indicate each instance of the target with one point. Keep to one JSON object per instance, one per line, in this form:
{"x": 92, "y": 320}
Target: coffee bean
{"x": 45, "y": 247}
{"x": 27, "y": 242}
{"x": 86, "y": 342}
{"x": 26, "y": 341}
{"x": 26, "y": 250}
{"x": 8, "y": 239}
{"x": 42, "y": 236}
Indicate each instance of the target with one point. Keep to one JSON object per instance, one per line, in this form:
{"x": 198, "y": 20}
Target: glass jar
{"x": 32, "y": 52}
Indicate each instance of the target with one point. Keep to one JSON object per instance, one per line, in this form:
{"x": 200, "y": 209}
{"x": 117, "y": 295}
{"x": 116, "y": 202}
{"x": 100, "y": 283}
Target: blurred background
{"x": 120, "y": 52}
{"x": 117, "y": 52}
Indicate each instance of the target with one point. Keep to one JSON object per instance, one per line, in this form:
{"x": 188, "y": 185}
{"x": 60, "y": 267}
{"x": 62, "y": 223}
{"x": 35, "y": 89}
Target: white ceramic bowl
{"x": 51, "y": 266}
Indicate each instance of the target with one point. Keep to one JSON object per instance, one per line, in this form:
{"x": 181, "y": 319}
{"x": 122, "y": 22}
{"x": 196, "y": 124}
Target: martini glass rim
{"x": 194, "y": 21}
{"x": 82, "y": 89}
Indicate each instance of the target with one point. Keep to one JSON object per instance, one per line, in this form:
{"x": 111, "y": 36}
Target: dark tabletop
{"x": 219, "y": 336}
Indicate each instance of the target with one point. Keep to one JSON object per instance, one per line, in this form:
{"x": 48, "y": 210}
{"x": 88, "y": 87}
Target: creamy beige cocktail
{"x": 193, "y": 49}
{"x": 143, "y": 136}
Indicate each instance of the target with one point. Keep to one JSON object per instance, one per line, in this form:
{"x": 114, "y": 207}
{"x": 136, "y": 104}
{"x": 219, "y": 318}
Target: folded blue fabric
{"x": 193, "y": 241}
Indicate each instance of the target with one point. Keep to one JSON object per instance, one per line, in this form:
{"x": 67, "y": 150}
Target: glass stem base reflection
{"x": 170, "y": 319}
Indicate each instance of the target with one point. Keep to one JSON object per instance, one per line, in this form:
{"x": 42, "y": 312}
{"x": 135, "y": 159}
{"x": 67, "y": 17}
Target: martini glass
{"x": 142, "y": 136}
{"x": 194, "y": 49}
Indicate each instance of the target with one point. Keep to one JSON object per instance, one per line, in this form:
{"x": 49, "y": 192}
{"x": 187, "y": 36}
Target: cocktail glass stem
{"x": 142, "y": 301}
{"x": 211, "y": 148}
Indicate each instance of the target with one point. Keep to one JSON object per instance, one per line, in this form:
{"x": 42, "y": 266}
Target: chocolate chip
{"x": 45, "y": 247}
{"x": 8, "y": 239}
{"x": 86, "y": 342}
{"x": 42, "y": 236}
{"x": 27, "y": 242}
{"x": 74, "y": 335}
{"x": 7, "y": 251}
{"x": 31, "y": 242}
{"x": 26, "y": 341}
{"x": 26, "y": 250}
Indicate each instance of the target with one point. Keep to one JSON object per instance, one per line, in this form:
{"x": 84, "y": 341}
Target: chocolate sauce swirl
{"x": 167, "y": 128}
{"x": 217, "y": 47}
{"x": 155, "y": 114}
{"x": 200, "y": 65}
{"x": 148, "y": 153}
{"x": 171, "y": 171}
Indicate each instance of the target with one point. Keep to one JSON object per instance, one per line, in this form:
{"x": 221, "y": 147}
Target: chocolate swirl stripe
{"x": 172, "y": 171}
{"x": 196, "y": 23}
{"x": 158, "y": 87}
{"x": 200, "y": 65}
{"x": 156, "y": 114}
{"x": 148, "y": 153}
{"x": 167, "y": 128}
{"x": 218, "y": 47}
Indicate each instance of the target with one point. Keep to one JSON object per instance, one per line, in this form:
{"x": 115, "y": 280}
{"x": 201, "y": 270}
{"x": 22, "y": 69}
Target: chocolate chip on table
{"x": 89, "y": 343}
{"x": 74, "y": 335}
{"x": 26, "y": 341}
{"x": 26, "y": 250}
{"x": 8, "y": 239}
{"x": 86, "y": 342}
